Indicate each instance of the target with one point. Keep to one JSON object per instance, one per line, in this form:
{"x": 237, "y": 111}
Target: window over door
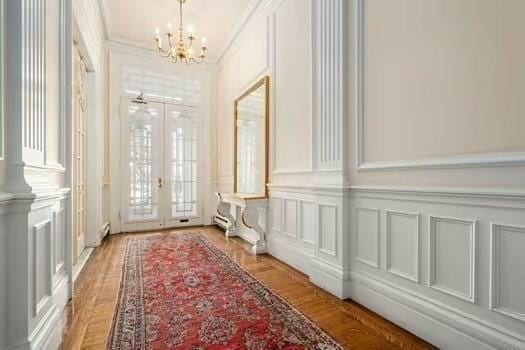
{"x": 161, "y": 140}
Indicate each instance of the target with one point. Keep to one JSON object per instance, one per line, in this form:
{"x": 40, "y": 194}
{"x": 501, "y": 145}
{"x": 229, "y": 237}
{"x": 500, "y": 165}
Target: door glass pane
{"x": 145, "y": 154}
{"x": 182, "y": 156}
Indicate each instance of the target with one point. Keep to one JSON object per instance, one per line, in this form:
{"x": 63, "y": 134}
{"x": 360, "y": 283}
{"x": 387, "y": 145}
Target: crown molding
{"x": 106, "y": 19}
{"x": 248, "y": 14}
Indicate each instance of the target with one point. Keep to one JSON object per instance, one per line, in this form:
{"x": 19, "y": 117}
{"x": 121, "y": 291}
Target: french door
{"x": 160, "y": 183}
{"x": 79, "y": 153}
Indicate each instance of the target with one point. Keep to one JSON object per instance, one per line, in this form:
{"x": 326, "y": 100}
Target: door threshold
{"x": 81, "y": 262}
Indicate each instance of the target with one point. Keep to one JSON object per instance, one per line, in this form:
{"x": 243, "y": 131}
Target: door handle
{"x": 160, "y": 182}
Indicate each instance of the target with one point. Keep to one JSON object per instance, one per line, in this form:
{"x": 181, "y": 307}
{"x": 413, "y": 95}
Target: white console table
{"x": 243, "y": 217}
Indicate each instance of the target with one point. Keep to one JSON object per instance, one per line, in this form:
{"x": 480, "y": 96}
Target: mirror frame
{"x": 265, "y": 81}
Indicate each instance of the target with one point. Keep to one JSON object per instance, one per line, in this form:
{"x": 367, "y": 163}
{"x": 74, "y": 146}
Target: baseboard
{"x": 437, "y": 324}
{"x": 290, "y": 254}
{"x": 329, "y": 277}
{"x": 48, "y": 334}
{"x": 81, "y": 262}
{"x": 321, "y": 273}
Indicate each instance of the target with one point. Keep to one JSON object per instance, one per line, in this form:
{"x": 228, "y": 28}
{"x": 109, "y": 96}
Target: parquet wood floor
{"x": 96, "y": 289}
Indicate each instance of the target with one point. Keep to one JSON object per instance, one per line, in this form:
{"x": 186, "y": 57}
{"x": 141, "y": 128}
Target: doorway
{"x": 160, "y": 186}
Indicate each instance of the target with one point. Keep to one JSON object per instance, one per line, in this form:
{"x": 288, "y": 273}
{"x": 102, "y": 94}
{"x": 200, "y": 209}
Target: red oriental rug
{"x": 179, "y": 291}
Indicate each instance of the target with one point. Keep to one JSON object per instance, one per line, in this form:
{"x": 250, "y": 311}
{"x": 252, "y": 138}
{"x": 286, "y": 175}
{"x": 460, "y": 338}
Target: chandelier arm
{"x": 179, "y": 48}
{"x": 170, "y": 41}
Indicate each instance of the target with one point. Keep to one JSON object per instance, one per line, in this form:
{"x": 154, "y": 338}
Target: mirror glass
{"x": 251, "y": 141}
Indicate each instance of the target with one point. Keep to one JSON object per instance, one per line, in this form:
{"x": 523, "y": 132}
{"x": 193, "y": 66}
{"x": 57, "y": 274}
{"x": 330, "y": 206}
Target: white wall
{"x": 292, "y": 73}
{"x": 275, "y": 41}
{"x": 441, "y": 90}
{"x": 398, "y": 165}
{"x": 443, "y": 77}
{"x": 306, "y": 212}
{"x": 436, "y": 167}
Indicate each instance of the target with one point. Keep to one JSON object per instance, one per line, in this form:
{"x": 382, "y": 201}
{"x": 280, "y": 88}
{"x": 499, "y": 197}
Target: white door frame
{"x": 121, "y": 57}
{"x": 94, "y": 116}
{"x": 164, "y": 218}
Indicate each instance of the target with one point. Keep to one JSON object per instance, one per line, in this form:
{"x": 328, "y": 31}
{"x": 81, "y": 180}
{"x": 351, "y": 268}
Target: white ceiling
{"x": 134, "y": 21}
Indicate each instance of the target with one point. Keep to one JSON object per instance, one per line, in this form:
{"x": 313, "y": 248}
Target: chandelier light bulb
{"x": 169, "y": 26}
{"x": 203, "y": 41}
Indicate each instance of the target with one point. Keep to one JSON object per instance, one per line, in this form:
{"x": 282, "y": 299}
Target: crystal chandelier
{"x": 179, "y": 49}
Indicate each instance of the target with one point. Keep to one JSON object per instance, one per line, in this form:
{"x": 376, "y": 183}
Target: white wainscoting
{"x": 448, "y": 265}
{"x": 306, "y": 231}
{"x": 36, "y": 238}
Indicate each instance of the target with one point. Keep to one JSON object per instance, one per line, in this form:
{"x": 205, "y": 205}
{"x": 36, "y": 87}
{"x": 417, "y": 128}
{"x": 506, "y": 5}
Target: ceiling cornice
{"x": 253, "y": 6}
{"x": 106, "y": 18}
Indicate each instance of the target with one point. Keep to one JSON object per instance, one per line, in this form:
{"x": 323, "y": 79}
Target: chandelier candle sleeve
{"x": 178, "y": 48}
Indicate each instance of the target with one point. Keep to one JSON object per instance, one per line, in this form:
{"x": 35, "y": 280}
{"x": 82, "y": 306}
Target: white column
{"x": 329, "y": 27}
{"x": 329, "y": 265}
{"x": 36, "y": 215}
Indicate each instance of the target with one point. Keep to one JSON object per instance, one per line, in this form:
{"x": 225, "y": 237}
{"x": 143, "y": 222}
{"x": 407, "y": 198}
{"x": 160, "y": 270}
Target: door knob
{"x": 160, "y": 182}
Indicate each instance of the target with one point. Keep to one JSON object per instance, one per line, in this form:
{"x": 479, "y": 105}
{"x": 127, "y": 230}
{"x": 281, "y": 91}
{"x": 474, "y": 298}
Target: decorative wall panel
{"x": 390, "y": 49}
{"x": 452, "y": 252}
{"x": 42, "y": 288}
{"x": 367, "y": 236}
{"x": 276, "y": 214}
{"x": 328, "y": 229}
{"x": 290, "y": 217}
{"x": 402, "y": 244}
{"x": 507, "y": 270}
{"x": 307, "y": 222}
{"x": 450, "y": 257}
{"x": 59, "y": 225}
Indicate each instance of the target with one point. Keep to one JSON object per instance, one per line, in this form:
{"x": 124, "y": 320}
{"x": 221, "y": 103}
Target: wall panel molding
{"x": 328, "y": 232}
{"x": 470, "y": 279}
{"x": 59, "y": 240}
{"x": 318, "y": 248}
{"x": 410, "y": 247}
{"x": 460, "y": 161}
{"x": 503, "y": 283}
{"x": 276, "y": 215}
{"x": 307, "y": 221}
{"x": 42, "y": 266}
{"x": 290, "y": 217}
{"x": 434, "y": 257}
{"x": 367, "y": 236}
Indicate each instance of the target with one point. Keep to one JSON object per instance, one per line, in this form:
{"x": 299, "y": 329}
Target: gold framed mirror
{"x": 251, "y": 157}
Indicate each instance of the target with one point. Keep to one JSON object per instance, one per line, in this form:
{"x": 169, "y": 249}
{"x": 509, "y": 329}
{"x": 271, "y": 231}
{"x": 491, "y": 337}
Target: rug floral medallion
{"x": 179, "y": 291}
